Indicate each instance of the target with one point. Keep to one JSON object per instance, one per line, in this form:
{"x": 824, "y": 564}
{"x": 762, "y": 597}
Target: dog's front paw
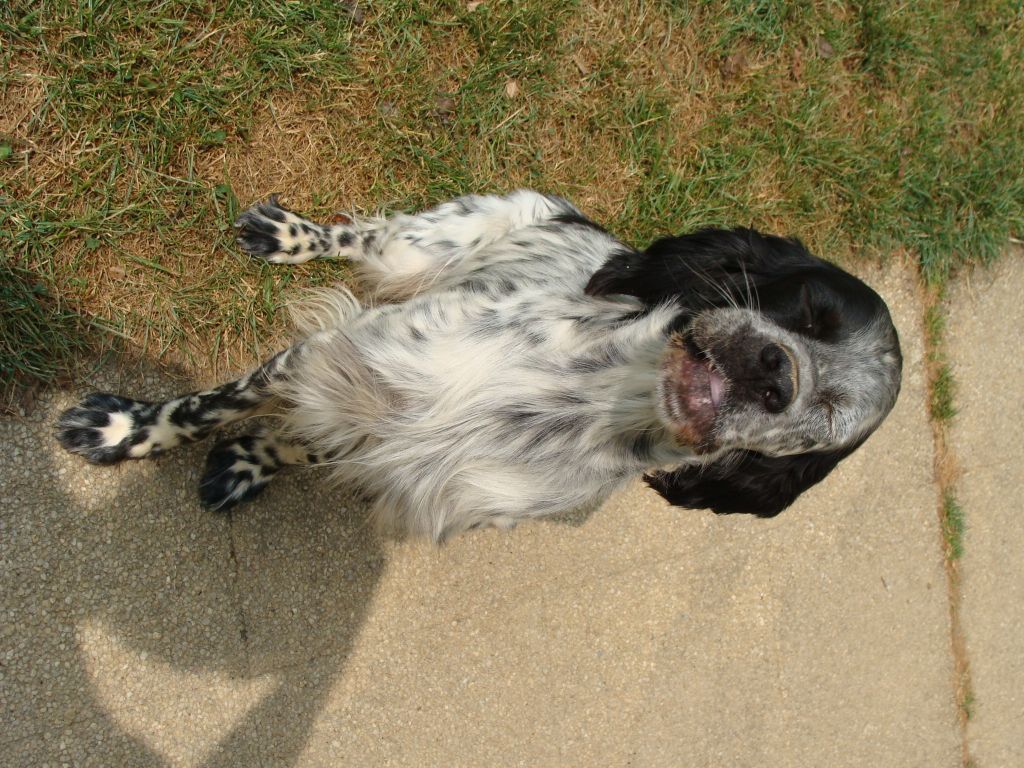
{"x": 271, "y": 232}
{"x": 235, "y": 472}
{"x": 104, "y": 428}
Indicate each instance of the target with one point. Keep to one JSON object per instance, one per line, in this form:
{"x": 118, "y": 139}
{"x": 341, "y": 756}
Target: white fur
{"x": 497, "y": 389}
{"x": 118, "y": 429}
{"x": 446, "y": 407}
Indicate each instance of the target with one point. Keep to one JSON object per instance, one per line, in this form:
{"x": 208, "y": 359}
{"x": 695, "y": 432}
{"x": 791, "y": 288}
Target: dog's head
{"x": 780, "y": 364}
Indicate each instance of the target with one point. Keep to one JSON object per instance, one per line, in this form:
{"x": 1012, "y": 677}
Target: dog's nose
{"x": 776, "y": 378}
{"x": 773, "y": 357}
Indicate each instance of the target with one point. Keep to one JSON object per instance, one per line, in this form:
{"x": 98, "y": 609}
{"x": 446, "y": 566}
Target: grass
{"x": 131, "y": 133}
{"x": 968, "y": 707}
{"x": 37, "y": 335}
{"x": 943, "y": 390}
{"x": 953, "y": 526}
{"x": 942, "y": 383}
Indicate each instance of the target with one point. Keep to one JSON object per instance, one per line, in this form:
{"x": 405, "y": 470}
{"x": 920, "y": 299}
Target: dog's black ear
{"x": 749, "y": 483}
{"x": 705, "y": 268}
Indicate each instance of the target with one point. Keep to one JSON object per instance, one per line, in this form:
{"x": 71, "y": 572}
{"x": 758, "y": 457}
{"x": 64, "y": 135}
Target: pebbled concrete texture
{"x": 139, "y": 630}
{"x": 984, "y": 343}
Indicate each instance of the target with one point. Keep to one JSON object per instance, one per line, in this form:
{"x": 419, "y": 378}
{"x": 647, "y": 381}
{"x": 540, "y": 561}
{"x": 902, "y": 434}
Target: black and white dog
{"x": 530, "y": 363}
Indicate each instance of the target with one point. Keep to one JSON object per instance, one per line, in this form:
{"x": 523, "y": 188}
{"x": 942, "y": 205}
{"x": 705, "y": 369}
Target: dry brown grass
{"x": 131, "y": 139}
{"x": 313, "y": 155}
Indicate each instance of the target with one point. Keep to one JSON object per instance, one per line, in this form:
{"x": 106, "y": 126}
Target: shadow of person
{"x": 141, "y": 629}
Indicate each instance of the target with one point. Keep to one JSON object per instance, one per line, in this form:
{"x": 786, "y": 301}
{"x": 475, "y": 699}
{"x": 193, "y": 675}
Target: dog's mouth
{"x": 693, "y": 390}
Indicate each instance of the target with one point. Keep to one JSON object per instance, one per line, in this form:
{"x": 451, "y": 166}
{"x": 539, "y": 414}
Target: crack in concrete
{"x": 236, "y": 577}
{"x": 946, "y": 470}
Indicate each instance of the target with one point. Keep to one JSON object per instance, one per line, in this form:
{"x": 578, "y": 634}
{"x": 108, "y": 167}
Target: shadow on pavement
{"x": 129, "y": 610}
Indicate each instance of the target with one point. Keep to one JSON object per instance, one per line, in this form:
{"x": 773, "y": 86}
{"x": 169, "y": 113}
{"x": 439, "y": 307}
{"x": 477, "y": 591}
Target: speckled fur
{"x": 493, "y": 389}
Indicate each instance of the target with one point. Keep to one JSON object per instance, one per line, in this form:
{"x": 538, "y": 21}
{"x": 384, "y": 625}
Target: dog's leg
{"x": 271, "y": 232}
{"x": 402, "y": 255}
{"x": 238, "y": 469}
{"x": 107, "y": 428}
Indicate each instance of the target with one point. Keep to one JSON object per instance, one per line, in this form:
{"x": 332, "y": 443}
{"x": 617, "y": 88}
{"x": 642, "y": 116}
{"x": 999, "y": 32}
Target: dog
{"x": 516, "y": 360}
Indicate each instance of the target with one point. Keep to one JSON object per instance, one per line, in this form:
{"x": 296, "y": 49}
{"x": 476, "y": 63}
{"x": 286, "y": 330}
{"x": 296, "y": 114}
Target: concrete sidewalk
{"x": 985, "y": 343}
{"x": 140, "y": 630}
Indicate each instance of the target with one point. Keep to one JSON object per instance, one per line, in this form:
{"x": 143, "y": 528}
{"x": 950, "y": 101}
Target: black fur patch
{"x": 750, "y": 483}
{"x": 222, "y": 485}
{"x": 576, "y": 218}
{"x": 720, "y": 267}
{"x": 272, "y": 210}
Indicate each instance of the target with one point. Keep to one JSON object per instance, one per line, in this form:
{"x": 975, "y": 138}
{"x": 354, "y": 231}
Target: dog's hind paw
{"x": 104, "y": 428}
{"x": 236, "y": 471}
{"x": 271, "y": 232}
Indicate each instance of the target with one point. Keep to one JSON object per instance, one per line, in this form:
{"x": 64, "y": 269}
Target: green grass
{"x": 934, "y": 327}
{"x": 943, "y": 385}
{"x": 130, "y": 134}
{"x": 147, "y": 93}
{"x": 968, "y": 705}
{"x": 943, "y": 391}
{"x": 953, "y": 526}
{"x": 897, "y": 127}
{"x": 38, "y": 337}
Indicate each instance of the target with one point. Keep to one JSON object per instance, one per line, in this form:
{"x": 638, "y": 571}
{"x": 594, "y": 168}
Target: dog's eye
{"x": 819, "y": 319}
